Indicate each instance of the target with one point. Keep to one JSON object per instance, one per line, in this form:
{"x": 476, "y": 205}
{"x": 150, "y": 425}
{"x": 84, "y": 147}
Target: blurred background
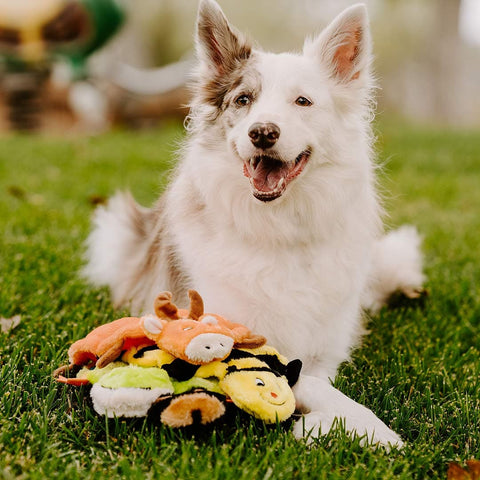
{"x": 89, "y": 65}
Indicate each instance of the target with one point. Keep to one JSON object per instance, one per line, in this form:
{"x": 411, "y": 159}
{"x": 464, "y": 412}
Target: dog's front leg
{"x": 321, "y": 404}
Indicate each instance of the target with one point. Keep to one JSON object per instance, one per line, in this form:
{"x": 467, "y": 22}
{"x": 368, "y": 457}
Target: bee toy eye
{"x": 259, "y": 382}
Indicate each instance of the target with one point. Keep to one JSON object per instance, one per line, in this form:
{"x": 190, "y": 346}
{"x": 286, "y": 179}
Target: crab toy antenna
{"x": 164, "y": 308}
{"x": 196, "y": 305}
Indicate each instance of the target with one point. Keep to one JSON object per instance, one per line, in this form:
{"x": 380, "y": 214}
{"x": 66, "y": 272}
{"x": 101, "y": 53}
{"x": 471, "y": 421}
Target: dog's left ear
{"x": 344, "y": 47}
{"x": 219, "y": 46}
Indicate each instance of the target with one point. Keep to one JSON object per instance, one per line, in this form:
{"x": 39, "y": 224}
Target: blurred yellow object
{"x": 42, "y": 30}
{"x": 25, "y": 14}
{"x": 28, "y": 18}
{"x": 32, "y": 48}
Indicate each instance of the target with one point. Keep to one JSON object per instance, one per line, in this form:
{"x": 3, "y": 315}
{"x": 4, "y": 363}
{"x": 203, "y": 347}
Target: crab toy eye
{"x": 209, "y": 320}
{"x": 303, "y": 102}
{"x": 187, "y": 328}
{"x": 259, "y": 382}
{"x": 152, "y": 324}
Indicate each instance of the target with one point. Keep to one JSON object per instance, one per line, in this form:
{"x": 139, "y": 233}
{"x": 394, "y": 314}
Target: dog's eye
{"x": 243, "y": 100}
{"x": 303, "y": 102}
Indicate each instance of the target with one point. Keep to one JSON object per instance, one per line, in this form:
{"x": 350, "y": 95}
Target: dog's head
{"x": 276, "y": 112}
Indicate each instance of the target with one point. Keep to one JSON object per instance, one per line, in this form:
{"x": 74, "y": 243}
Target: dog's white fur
{"x": 296, "y": 269}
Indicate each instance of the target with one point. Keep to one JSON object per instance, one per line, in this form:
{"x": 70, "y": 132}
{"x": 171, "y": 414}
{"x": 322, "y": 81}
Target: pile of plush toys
{"x": 184, "y": 367}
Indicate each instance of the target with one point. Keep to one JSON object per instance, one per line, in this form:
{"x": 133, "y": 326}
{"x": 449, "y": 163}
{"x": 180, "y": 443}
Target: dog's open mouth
{"x": 270, "y": 176}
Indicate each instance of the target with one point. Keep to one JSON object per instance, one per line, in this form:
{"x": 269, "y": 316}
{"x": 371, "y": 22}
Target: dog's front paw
{"x": 312, "y": 425}
{"x": 372, "y": 432}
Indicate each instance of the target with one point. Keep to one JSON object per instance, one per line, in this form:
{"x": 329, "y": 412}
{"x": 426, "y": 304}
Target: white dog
{"x": 272, "y": 214}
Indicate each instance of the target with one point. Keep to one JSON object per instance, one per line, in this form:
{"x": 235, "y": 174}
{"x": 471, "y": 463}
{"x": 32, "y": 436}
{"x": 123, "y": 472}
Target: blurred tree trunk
{"x": 446, "y": 59}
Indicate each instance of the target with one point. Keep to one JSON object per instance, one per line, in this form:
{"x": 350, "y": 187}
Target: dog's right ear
{"x": 344, "y": 47}
{"x": 219, "y": 46}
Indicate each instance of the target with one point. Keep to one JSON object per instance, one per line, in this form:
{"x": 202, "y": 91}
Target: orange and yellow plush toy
{"x": 182, "y": 367}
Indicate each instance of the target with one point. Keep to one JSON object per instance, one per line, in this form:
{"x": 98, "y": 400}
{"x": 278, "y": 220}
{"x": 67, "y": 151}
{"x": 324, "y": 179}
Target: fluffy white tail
{"x": 120, "y": 231}
{"x": 397, "y": 266}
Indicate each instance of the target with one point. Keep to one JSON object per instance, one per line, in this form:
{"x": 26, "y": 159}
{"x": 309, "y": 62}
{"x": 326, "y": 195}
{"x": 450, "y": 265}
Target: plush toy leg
{"x": 181, "y": 411}
{"x": 322, "y": 404}
{"x": 59, "y": 376}
{"x": 110, "y": 355}
{"x": 124, "y": 402}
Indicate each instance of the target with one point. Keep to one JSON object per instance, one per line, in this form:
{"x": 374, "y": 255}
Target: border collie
{"x": 272, "y": 213}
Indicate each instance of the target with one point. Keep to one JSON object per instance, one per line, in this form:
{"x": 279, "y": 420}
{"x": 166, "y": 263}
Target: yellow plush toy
{"x": 258, "y": 381}
{"x": 260, "y": 390}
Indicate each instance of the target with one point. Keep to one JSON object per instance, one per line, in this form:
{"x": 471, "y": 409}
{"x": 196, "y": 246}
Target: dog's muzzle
{"x": 269, "y": 176}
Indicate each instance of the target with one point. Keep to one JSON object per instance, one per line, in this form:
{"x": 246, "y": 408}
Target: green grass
{"x": 418, "y": 369}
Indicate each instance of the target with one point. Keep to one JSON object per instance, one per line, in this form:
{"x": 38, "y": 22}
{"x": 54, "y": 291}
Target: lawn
{"x": 418, "y": 369}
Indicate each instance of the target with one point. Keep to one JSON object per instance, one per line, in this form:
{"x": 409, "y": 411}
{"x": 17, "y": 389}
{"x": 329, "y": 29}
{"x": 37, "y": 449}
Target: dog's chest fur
{"x": 292, "y": 272}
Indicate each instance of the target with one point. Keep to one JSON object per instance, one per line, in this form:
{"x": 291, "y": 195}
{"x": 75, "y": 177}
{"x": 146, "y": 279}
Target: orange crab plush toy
{"x": 189, "y": 335}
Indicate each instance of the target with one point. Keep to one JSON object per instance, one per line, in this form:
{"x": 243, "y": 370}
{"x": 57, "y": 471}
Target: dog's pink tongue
{"x": 268, "y": 175}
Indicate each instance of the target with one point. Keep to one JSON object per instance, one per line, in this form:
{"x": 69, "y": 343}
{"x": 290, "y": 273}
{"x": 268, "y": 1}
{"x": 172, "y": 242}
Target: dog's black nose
{"x": 264, "y": 135}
